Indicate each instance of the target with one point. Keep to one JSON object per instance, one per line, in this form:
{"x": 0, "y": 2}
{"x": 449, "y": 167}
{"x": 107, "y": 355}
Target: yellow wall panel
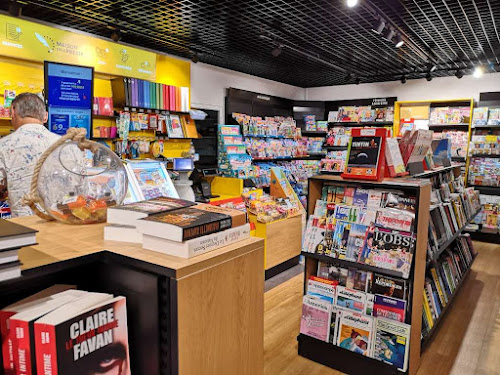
{"x": 172, "y": 71}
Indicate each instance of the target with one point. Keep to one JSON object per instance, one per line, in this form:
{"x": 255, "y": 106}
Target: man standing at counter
{"x": 20, "y": 151}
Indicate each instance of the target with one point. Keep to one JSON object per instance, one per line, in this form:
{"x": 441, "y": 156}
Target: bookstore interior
{"x": 177, "y": 200}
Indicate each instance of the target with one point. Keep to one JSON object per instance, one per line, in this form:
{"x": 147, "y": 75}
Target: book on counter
{"x": 196, "y": 246}
{"x": 6, "y": 312}
{"x": 86, "y": 337}
{"x": 185, "y": 223}
{"x": 128, "y": 214}
{"x": 14, "y": 236}
{"x": 123, "y": 233}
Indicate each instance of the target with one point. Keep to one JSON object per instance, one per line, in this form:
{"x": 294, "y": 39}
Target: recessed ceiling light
{"x": 478, "y": 72}
{"x": 352, "y": 3}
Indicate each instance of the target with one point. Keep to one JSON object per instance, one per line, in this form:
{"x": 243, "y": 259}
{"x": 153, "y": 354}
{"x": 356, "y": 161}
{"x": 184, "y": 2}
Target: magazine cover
{"x": 389, "y": 286}
{"x": 388, "y": 249}
{"x": 356, "y": 241}
{"x": 350, "y": 299}
{"x": 355, "y": 332}
{"x": 95, "y": 342}
{"x": 174, "y": 127}
{"x": 359, "y": 279}
{"x": 389, "y": 307}
{"x": 332, "y": 272}
{"x": 370, "y": 298}
{"x": 315, "y": 321}
{"x": 334, "y": 322}
{"x": 480, "y": 116}
{"x": 340, "y": 238}
{"x": 322, "y": 288}
{"x": 395, "y": 219}
{"x": 392, "y": 343}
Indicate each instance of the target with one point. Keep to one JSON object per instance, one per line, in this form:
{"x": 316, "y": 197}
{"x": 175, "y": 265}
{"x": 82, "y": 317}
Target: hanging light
{"x": 478, "y": 72}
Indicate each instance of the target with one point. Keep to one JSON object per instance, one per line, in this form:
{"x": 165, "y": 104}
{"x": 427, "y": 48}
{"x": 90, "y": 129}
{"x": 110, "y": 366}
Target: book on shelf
{"x": 6, "y": 312}
{"x": 89, "y": 335}
{"x": 196, "y": 246}
{"x": 391, "y": 343}
{"x": 184, "y": 224}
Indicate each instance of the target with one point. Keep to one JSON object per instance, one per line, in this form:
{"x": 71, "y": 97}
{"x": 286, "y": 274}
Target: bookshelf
{"x": 342, "y": 359}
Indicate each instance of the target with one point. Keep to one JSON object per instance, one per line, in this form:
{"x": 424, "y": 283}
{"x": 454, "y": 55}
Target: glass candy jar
{"x": 77, "y": 180}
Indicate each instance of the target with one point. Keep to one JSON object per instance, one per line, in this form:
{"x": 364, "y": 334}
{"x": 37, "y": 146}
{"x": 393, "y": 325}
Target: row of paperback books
{"x": 175, "y": 226}
{"x": 12, "y": 238}
{"x": 369, "y": 226}
{"x": 443, "y": 278}
{"x": 452, "y": 207}
{"x": 368, "y": 320}
{"x": 61, "y": 330}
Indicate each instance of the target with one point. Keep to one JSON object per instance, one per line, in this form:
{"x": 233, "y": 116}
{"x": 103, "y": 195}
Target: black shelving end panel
{"x": 487, "y": 190}
{"x": 349, "y": 264}
{"x": 342, "y": 359}
{"x": 485, "y": 237}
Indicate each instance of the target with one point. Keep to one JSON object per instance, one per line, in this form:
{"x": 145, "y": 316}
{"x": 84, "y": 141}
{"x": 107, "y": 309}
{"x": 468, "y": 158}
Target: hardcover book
{"x": 13, "y": 235}
{"x": 184, "y": 224}
{"x": 237, "y": 217}
{"x": 389, "y": 307}
{"x": 392, "y": 343}
{"x": 128, "y": 214}
{"x": 84, "y": 339}
{"x": 355, "y": 332}
{"x": 315, "y": 320}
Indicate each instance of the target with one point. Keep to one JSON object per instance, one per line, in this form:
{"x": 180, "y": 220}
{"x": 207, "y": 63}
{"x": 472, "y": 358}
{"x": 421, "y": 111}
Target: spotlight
{"x": 348, "y": 77}
{"x": 388, "y": 34}
{"x": 431, "y": 67}
{"x": 116, "y": 35}
{"x": 399, "y": 41}
{"x": 276, "y": 51}
{"x": 352, "y": 3}
{"x": 378, "y": 25}
{"x": 428, "y": 77}
{"x": 459, "y": 74}
{"x": 478, "y": 72}
{"x": 358, "y": 81}
{"x": 195, "y": 57}
{"x": 403, "y": 79}
{"x": 15, "y": 9}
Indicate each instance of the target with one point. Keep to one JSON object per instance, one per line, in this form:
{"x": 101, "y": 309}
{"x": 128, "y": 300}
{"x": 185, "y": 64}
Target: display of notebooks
{"x": 174, "y": 127}
{"x": 350, "y": 299}
{"x": 392, "y": 343}
{"x": 84, "y": 338}
{"x": 366, "y": 158}
{"x": 390, "y": 249}
{"x": 315, "y": 320}
{"x": 184, "y": 224}
{"x": 128, "y": 214}
{"x": 355, "y": 332}
{"x": 389, "y": 308}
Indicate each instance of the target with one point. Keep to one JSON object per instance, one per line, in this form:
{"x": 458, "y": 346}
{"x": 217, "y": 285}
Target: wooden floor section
{"x": 467, "y": 342}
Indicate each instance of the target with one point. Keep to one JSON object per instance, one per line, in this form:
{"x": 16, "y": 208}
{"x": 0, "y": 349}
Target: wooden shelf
{"x": 448, "y": 126}
{"x": 333, "y": 173}
{"x": 427, "y": 338}
{"x": 362, "y": 124}
{"x": 485, "y": 156}
{"x": 486, "y": 127}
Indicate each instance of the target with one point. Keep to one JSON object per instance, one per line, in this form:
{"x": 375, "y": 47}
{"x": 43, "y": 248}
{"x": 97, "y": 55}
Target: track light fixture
{"x": 431, "y": 67}
{"x": 358, "y": 80}
{"x": 348, "y": 77}
{"x": 403, "y": 79}
{"x": 459, "y": 74}
{"x": 276, "y": 51}
{"x": 398, "y": 42}
{"x": 195, "y": 58}
{"x": 15, "y": 9}
{"x": 478, "y": 72}
{"x": 388, "y": 34}
{"x": 116, "y": 35}
{"x": 352, "y": 3}
{"x": 378, "y": 25}
{"x": 428, "y": 76}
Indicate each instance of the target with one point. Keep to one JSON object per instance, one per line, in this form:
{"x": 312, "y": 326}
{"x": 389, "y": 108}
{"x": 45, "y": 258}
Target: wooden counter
{"x": 202, "y": 315}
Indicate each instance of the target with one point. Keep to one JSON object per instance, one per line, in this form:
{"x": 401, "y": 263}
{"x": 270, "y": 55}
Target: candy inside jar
{"x": 77, "y": 186}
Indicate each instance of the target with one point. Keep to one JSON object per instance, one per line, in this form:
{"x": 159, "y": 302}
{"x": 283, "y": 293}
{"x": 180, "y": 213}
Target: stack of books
{"x": 12, "y": 238}
{"x": 443, "y": 278}
{"x": 358, "y": 311}
{"x": 65, "y": 331}
{"x": 176, "y": 226}
{"x": 373, "y": 227}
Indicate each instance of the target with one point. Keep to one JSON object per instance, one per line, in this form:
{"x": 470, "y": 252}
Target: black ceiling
{"x": 322, "y": 41}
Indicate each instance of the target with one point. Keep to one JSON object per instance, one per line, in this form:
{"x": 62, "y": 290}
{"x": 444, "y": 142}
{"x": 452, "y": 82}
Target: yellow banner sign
{"x": 32, "y": 41}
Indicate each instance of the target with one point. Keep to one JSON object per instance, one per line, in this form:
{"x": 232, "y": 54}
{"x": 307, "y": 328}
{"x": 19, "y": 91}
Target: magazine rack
{"x": 185, "y": 316}
{"x": 345, "y": 360}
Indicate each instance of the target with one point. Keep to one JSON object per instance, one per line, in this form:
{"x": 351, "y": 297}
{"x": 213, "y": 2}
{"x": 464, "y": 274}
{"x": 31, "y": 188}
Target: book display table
{"x": 202, "y": 315}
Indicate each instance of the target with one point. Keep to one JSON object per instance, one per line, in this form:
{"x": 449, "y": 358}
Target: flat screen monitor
{"x": 183, "y": 164}
{"x": 69, "y": 95}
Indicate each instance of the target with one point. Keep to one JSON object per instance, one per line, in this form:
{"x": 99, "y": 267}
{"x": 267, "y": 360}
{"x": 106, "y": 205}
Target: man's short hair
{"x": 29, "y": 105}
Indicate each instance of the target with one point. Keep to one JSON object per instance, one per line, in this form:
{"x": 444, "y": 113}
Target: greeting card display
{"x": 366, "y": 158}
